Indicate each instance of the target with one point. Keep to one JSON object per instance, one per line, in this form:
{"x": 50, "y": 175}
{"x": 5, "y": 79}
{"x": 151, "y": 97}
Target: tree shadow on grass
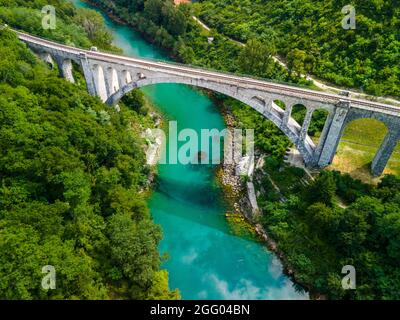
{"x": 364, "y": 173}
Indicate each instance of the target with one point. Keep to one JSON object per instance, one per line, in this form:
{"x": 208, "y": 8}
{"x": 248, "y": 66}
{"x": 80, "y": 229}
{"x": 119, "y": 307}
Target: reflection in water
{"x": 246, "y": 290}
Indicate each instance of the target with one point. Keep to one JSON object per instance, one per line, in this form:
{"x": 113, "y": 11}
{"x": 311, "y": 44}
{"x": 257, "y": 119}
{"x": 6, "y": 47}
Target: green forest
{"x": 318, "y": 234}
{"x": 188, "y": 42}
{"x": 73, "y": 186}
{"x": 335, "y": 220}
{"x": 73, "y": 175}
{"x": 324, "y": 224}
{"x": 190, "y": 46}
{"x": 309, "y": 35}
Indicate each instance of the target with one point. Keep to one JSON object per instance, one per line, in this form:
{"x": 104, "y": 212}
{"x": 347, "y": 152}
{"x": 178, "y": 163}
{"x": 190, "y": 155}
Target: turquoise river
{"x": 206, "y": 261}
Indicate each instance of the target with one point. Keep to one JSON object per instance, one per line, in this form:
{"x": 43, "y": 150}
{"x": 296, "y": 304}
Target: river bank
{"x": 114, "y": 17}
{"x": 237, "y": 195}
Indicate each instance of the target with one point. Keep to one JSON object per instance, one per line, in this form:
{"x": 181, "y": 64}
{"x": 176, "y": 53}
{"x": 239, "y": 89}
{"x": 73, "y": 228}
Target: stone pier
{"x": 65, "y": 68}
{"x": 385, "y": 151}
{"x": 336, "y": 125}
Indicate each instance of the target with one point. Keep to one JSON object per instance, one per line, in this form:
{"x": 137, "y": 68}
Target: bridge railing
{"x": 308, "y": 86}
{"x": 178, "y": 64}
{"x": 224, "y": 72}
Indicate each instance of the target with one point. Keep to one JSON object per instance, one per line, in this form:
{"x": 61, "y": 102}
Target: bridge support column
{"x": 99, "y": 82}
{"x": 323, "y": 136}
{"x": 336, "y": 127}
{"x": 109, "y": 81}
{"x": 46, "y": 57}
{"x": 88, "y": 73}
{"x": 65, "y": 68}
{"x": 287, "y": 115}
{"x": 306, "y": 123}
{"x": 385, "y": 151}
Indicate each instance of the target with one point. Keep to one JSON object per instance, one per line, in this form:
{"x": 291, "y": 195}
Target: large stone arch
{"x": 261, "y": 103}
{"x": 389, "y": 140}
{"x": 355, "y": 114}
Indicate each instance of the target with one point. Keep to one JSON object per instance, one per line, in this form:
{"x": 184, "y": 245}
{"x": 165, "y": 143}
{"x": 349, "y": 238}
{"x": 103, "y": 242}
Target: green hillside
{"x": 72, "y": 172}
{"x": 310, "y": 36}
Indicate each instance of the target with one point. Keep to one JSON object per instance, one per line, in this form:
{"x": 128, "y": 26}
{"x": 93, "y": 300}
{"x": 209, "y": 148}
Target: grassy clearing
{"x": 357, "y": 148}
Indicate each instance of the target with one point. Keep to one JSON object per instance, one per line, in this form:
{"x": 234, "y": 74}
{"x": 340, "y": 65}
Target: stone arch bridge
{"x": 110, "y": 76}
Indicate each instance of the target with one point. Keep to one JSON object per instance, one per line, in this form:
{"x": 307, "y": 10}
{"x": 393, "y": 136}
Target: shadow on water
{"x": 197, "y": 195}
{"x": 213, "y": 108}
{"x": 197, "y": 199}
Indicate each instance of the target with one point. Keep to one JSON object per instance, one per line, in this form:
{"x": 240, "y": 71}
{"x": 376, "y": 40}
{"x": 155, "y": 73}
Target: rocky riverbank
{"x": 232, "y": 184}
{"x": 235, "y": 187}
{"x": 238, "y": 198}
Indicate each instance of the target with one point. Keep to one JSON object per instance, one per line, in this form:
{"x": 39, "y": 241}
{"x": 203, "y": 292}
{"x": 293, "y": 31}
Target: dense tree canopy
{"x": 319, "y": 236}
{"x": 72, "y": 172}
{"x": 309, "y": 34}
{"x": 71, "y": 182}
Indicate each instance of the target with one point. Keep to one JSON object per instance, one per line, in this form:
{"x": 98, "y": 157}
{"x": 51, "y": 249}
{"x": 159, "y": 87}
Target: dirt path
{"x": 203, "y": 25}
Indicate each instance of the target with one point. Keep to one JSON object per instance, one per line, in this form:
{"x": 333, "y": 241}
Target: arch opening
{"x": 49, "y": 64}
{"x": 358, "y": 145}
{"x": 125, "y": 78}
{"x": 280, "y": 104}
{"x": 266, "y": 107}
{"x": 279, "y": 107}
{"x": 299, "y": 113}
{"x": 317, "y": 124}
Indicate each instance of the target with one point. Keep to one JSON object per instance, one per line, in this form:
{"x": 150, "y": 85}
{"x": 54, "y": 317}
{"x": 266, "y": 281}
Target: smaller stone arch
{"x": 47, "y": 58}
{"x": 298, "y": 112}
{"x": 279, "y": 108}
{"x": 65, "y": 67}
{"x": 281, "y": 104}
{"x": 99, "y": 81}
{"x": 266, "y": 105}
{"x": 366, "y": 143}
{"x": 318, "y": 120}
{"x": 259, "y": 100}
{"x": 355, "y": 114}
{"x": 111, "y": 79}
{"x": 124, "y": 78}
